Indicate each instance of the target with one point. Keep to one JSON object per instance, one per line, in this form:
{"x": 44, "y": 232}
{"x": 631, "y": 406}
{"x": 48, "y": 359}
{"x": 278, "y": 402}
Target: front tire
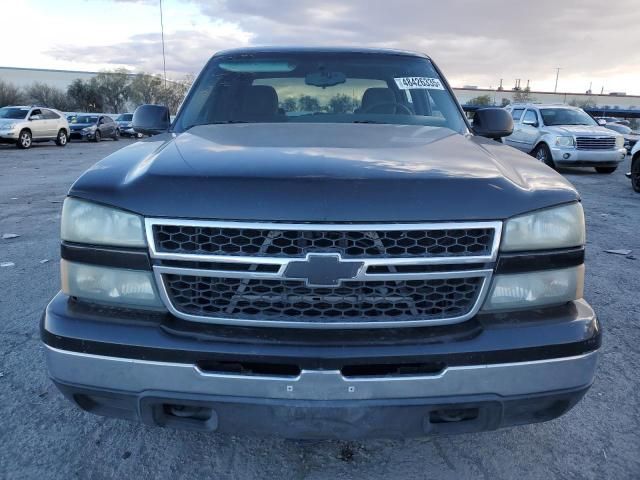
{"x": 97, "y": 136}
{"x": 543, "y": 154}
{"x": 635, "y": 174}
{"x": 116, "y": 135}
{"x": 62, "y": 139}
{"x": 605, "y": 170}
{"x": 24, "y": 140}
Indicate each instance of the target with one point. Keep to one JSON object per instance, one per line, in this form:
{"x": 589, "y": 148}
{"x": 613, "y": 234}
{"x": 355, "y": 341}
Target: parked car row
{"x": 24, "y": 125}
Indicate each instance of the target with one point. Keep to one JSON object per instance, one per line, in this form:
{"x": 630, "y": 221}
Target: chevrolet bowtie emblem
{"x": 323, "y": 270}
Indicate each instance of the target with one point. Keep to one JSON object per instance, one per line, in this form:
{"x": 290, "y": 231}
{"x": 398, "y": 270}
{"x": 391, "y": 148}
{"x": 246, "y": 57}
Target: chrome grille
{"x": 297, "y": 243}
{"x": 381, "y": 300}
{"x": 595, "y": 143}
{"x": 323, "y": 276}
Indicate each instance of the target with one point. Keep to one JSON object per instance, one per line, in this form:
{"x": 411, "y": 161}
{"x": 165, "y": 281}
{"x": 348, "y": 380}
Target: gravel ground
{"x": 43, "y": 436}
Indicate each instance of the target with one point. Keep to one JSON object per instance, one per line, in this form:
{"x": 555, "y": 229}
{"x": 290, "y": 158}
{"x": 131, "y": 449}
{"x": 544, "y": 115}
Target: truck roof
{"x": 286, "y": 49}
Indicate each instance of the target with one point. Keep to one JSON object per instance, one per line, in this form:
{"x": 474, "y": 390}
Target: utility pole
{"x": 164, "y": 62}
{"x": 555, "y": 89}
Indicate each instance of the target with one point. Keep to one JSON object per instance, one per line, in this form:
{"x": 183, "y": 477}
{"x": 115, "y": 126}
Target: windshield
{"x": 566, "y": 116}
{"x": 84, "y": 119}
{"x": 14, "y": 113}
{"x": 321, "y": 87}
{"x": 125, "y": 117}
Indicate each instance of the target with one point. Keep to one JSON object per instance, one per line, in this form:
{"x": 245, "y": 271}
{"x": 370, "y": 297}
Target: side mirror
{"x": 602, "y": 122}
{"x": 151, "y": 119}
{"x": 35, "y": 117}
{"x": 492, "y": 123}
{"x": 530, "y": 123}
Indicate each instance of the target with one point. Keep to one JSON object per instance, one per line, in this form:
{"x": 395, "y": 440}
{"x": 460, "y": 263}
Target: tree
{"x": 505, "y": 102}
{"x": 341, "y": 103}
{"x": 10, "y": 94}
{"x": 114, "y": 89}
{"x": 145, "y": 89}
{"x": 483, "y": 100}
{"x": 307, "y": 103}
{"x": 289, "y": 104}
{"x": 85, "y": 95}
{"x": 42, "y": 94}
{"x": 523, "y": 96}
{"x": 175, "y": 92}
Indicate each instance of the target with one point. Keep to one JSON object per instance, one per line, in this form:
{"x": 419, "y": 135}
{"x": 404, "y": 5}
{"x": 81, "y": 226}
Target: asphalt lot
{"x": 43, "y": 436}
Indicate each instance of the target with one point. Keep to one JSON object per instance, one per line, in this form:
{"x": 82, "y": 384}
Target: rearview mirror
{"x": 325, "y": 79}
{"x": 492, "y": 123}
{"x": 151, "y": 119}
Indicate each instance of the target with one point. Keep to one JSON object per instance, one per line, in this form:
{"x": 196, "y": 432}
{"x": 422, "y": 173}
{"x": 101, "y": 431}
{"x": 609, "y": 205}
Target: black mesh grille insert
{"x": 293, "y": 300}
{"x": 297, "y": 243}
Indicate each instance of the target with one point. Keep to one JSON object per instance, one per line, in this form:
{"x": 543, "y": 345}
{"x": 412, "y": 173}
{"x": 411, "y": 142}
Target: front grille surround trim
{"x": 457, "y": 263}
{"x": 251, "y": 322}
{"x": 595, "y": 143}
{"x": 346, "y": 227}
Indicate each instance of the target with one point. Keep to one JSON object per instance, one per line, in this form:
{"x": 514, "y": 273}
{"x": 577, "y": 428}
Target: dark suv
{"x": 320, "y": 245}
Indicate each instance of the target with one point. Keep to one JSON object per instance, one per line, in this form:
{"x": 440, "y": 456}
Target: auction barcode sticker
{"x": 409, "y": 83}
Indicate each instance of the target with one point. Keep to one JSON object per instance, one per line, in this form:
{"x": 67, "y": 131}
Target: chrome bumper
{"x": 138, "y": 376}
{"x": 587, "y": 156}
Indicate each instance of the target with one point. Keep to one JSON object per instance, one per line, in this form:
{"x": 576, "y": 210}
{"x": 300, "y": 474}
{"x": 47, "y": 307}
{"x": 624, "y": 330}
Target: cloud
{"x": 186, "y": 51}
{"x": 472, "y": 41}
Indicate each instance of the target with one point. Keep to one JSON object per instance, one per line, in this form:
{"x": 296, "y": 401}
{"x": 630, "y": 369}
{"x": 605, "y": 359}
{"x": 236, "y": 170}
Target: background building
{"x": 467, "y": 95}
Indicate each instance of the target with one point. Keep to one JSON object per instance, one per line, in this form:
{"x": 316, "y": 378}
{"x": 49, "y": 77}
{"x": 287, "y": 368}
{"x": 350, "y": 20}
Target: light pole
{"x": 555, "y": 89}
{"x": 164, "y": 62}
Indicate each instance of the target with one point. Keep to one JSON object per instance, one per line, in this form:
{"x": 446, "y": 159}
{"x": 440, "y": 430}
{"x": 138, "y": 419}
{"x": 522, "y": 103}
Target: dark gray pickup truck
{"x": 321, "y": 246}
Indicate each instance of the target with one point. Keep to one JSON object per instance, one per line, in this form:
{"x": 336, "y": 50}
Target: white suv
{"x": 24, "y": 125}
{"x": 560, "y": 135}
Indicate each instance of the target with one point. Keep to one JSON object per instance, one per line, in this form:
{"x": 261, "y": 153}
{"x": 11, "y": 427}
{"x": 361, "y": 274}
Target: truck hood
{"x": 323, "y": 172}
{"x": 581, "y": 130}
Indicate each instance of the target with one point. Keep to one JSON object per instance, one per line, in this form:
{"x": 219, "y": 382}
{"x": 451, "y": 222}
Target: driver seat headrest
{"x": 376, "y": 96}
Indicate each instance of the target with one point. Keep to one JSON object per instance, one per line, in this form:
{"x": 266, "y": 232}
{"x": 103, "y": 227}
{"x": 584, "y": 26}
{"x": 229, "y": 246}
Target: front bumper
{"x": 492, "y": 372}
{"x": 8, "y": 136}
{"x": 128, "y": 132}
{"x": 80, "y": 135}
{"x": 588, "y": 158}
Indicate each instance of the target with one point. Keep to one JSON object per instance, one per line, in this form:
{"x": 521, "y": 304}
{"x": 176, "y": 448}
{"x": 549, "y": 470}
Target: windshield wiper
{"x": 368, "y": 121}
{"x": 219, "y": 122}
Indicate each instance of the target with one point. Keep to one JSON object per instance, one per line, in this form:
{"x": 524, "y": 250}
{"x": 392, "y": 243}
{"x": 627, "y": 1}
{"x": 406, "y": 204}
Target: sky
{"x": 474, "y": 42}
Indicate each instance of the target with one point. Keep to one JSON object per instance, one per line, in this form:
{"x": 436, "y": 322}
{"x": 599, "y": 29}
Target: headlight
{"x": 89, "y": 129}
{"x": 109, "y": 285}
{"x": 619, "y": 141}
{"x": 558, "y": 227}
{"x": 129, "y": 125}
{"x": 8, "y": 126}
{"x": 535, "y": 289}
{"x": 566, "y": 142}
{"x": 86, "y": 222}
